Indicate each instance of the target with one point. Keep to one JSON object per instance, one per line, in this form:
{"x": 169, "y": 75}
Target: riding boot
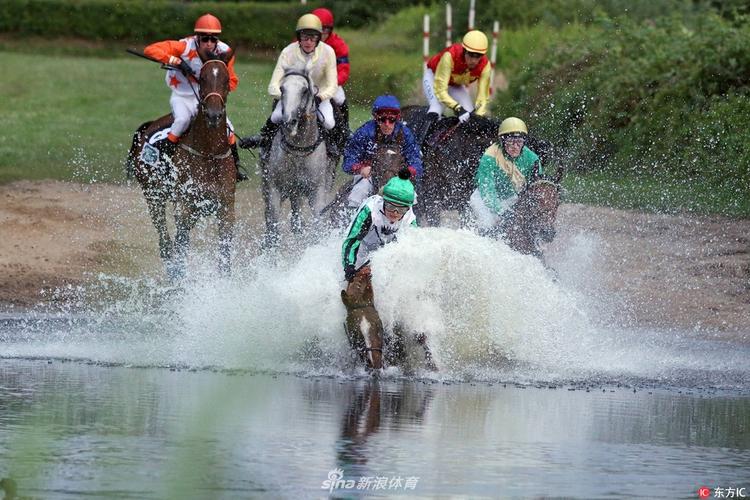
{"x": 262, "y": 139}
{"x": 429, "y": 120}
{"x": 331, "y": 140}
{"x": 241, "y": 175}
{"x": 167, "y": 147}
{"x": 346, "y": 132}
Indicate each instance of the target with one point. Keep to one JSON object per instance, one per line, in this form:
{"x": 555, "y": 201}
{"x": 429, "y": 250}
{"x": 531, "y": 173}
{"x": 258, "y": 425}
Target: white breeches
{"x": 361, "y": 190}
{"x": 184, "y": 109}
{"x": 325, "y": 114}
{"x": 339, "y": 97}
{"x": 458, "y": 92}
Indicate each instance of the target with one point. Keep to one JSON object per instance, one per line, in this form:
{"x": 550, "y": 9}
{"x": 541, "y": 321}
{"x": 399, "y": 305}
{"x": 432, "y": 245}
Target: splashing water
{"x": 489, "y": 314}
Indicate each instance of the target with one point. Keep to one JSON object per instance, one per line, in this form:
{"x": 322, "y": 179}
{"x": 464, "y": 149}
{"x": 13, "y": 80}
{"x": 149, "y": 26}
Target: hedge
{"x": 256, "y": 25}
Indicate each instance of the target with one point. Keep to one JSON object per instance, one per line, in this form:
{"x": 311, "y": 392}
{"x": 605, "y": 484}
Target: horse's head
{"x": 214, "y": 87}
{"x": 537, "y": 207}
{"x": 297, "y": 99}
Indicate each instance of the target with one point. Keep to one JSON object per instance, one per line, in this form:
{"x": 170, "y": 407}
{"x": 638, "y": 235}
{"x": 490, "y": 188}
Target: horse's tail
{"x": 132, "y": 158}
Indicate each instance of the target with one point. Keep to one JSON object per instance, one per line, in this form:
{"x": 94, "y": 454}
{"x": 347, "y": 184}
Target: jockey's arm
{"x": 442, "y": 79}
{"x": 482, "y": 102}
{"x": 410, "y": 151}
{"x": 163, "y": 51}
{"x": 485, "y": 181}
{"x": 233, "y": 79}
{"x": 274, "y": 87}
{"x": 355, "y": 150}
{"x": 358, "y": 230}
{"x": 328, "y": 85}
{"x": 342, "y": 58}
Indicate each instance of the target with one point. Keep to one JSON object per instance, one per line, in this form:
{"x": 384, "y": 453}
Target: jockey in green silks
{"x": 376, "y": 223}
{"x": 503, "y": 172}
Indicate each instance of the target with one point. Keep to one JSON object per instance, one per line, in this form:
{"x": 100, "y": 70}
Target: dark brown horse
{"x": 386, "y": 163}
{"x": 531, "y": 219}
{"x": 200, "y": 179}
{"x": 451, "y": 157}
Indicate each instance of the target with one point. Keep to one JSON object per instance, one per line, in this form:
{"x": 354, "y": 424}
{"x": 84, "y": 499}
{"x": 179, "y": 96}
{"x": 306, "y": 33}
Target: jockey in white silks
{"x": 306, "y": 55}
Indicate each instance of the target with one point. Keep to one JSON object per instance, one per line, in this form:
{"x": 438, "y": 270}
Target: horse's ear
{"x": 227, "y": 56}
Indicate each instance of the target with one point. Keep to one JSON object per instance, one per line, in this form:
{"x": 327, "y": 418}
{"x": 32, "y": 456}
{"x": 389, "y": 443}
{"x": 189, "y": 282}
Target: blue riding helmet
{"x": 386, "y": 103}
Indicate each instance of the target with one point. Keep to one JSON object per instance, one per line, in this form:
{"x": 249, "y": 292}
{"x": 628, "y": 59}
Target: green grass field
{"x": 69, "y": 117}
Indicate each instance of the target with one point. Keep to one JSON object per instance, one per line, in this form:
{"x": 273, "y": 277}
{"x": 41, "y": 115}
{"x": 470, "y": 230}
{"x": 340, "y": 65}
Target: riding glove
{"x": 349, "y": 272}
{"x": 186, "y": 69}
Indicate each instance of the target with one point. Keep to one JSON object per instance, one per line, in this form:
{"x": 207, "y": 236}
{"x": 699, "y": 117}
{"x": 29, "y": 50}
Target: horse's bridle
{"x": 202, "y": 100}
{"x": 308, "y": 98}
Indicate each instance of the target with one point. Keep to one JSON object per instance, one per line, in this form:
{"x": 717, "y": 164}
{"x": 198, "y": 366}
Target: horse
{"x": 377, "y": 347}
{"x": 386, "y": 163}
{"x": 298, "y": 165}
{"x": 199, "y": 179}
{"x": 451, "y": 157}
{"x": 531, "y": 218}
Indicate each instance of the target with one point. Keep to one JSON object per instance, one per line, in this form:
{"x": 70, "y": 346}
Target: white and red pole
{"x": 493, "y": 52}
{"x": 426, "y": 38}
{"x": 471, "y": 14}
{"x": 448, "y": 25}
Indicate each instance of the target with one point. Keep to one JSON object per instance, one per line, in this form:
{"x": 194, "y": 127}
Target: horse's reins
{"x": 289, "y": 147}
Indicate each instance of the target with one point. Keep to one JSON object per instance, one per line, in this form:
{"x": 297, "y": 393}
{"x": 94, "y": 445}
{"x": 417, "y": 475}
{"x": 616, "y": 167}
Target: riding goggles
{"x": 387, "y": 119}
{"x": 208, "y": 38}
{"x": 307, "y": 36}
{"x": 392, "y": 207}
{"x": 514, "y": 140}
{"x": 474, "y": 55}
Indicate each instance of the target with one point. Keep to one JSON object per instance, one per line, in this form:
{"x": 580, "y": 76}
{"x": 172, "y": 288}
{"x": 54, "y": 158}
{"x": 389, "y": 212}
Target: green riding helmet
{"x": 399, "y": 190}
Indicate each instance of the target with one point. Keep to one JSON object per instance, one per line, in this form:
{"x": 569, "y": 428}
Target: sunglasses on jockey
{"x": 387, "y": 115}
{"x": 208, "y": 38}
{"x": 392, "y": 207}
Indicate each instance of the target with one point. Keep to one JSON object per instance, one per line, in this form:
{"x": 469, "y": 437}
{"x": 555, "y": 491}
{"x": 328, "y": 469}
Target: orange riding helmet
{"x": 207, "y": 24}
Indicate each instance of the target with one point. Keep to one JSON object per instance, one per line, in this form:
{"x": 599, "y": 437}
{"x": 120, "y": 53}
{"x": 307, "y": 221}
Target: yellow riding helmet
{"x": 475, "y": 41}
{"x": 512, "y": 125}
{"x": 309, "y": 22}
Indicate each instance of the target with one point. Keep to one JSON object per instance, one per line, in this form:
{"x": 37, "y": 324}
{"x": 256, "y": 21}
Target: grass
{"x": 71, "y": 117}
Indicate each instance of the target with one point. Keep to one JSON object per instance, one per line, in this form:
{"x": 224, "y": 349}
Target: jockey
{"x": 386, "y": 128}
{"x": 188, "y": 55}
{"x": 448, "y": 75}
{"x": 342, "y": 67}
{"x": 503, "y": 171}
{"x": 307, "y": 54}
{"x": 376, "y": 223}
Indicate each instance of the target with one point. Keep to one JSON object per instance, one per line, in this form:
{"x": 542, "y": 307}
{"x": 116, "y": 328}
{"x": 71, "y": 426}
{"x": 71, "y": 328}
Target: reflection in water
{"x": 368, "y": 405}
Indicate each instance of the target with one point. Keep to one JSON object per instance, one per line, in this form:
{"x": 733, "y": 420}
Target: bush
{"x": 657, "y": 96}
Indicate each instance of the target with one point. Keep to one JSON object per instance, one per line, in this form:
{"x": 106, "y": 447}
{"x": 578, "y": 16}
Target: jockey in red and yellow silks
{"x": 447, "y": 76}
{"x": 187, "y": 54}
{"x": 452, "y": 69}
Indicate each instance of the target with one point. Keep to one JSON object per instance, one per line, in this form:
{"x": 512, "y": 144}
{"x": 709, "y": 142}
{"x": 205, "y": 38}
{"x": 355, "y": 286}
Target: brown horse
{"x": 200, "y": 179}
{"x": 386, "y": 163}
{"x": 531, "y": 219}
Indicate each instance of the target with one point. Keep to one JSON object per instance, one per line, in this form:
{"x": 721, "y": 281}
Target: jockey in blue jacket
{"x": 385, "y": 130}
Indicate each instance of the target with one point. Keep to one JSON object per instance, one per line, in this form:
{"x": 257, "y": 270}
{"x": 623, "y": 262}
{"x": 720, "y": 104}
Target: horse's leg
{"x": 272, "y": 202}
{"x": 226, "y": 216}
{"x": 157, "y": 209}
{"x": 296, "y": 218}
{"x": 183, "y": 223}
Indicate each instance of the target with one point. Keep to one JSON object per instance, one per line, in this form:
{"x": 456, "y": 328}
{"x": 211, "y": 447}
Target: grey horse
{"x": 297, "y": 164}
